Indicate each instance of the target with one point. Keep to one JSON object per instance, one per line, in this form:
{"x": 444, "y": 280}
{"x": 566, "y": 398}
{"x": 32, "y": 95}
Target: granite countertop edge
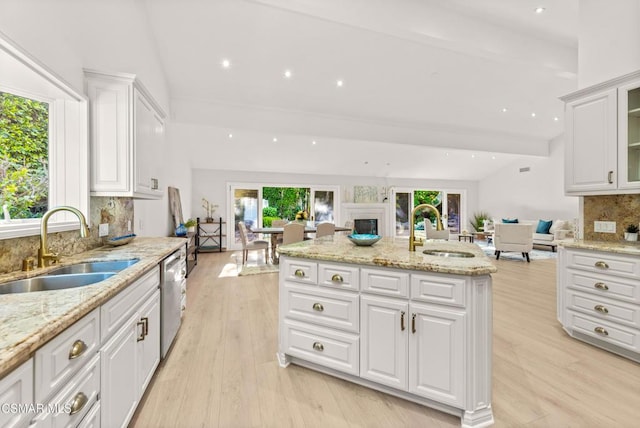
{"x": 394, "y": 253}
{"x": 29, "y": 320}
{"x": 619, "y": 247}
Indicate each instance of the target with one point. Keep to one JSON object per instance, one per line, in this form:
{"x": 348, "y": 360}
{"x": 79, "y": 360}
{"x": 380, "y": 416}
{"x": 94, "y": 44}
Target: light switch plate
{"x": 604, "y": 226}
{"x": 103, "y": 230}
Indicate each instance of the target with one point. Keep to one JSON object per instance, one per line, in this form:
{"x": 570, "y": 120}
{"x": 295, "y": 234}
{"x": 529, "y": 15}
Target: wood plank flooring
{"x": 223, "y": 372}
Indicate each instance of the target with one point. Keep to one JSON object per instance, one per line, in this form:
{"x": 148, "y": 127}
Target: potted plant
{"x": 631, "y": 232}
{"x": 190, "y": 225}
{"x": 477, "y": 221}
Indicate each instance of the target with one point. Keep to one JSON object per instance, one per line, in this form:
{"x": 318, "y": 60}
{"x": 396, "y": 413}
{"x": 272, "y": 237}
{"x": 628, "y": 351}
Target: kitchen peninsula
{"x": 413, "y": 325}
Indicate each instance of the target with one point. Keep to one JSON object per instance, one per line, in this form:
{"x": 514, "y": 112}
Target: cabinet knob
{"x": 299, "y": 273}
{"x": 79, "y": 401}
{"x": 601, "y": 286}
{"x": 601, "y": 330}
{"x": 602, "y": 309}
{"x": 318, "y": 346}
{"x": 601, "y": 265}
{"x": 337, "y": 278}
{"x": 77, "y": 349}
{"x": 318, "y": 307}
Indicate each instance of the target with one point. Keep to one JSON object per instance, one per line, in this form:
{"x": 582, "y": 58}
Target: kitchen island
{"x": 413, "y": 325}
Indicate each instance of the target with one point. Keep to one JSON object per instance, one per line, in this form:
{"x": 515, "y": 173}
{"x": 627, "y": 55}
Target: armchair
{"x": 513, "y": 237}
{"x": 432, "y": 233}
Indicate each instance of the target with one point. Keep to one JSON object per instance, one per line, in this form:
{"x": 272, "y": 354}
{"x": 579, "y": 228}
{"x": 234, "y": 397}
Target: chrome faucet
{"x": 413, "y": 243}
{"x": 44, "y": 257}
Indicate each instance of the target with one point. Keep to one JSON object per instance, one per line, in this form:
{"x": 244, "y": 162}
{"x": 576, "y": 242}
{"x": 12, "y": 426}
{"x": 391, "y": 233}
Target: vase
{"x": 181, "y": 230}
{"x": 629, "y": 236}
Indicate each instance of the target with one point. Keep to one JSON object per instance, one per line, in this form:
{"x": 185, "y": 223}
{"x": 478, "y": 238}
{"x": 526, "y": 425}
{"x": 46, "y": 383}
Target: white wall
{"x": 67, "y": 36}
{"x": 537, "y": 194}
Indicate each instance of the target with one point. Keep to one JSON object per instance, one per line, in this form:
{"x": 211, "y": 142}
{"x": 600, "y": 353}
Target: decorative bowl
{"x": 120, "y": 240}
{"x": 364, "y": 239}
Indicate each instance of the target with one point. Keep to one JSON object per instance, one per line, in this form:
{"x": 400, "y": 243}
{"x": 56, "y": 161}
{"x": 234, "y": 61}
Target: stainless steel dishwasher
{"x": 173, "y": 271}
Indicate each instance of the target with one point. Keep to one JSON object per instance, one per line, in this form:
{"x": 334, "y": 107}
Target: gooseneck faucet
{"x": 413, "y": 243}
{"x": 44, "y": 257}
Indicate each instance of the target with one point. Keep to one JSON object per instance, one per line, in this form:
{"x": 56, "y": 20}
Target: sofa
{"x": 557, "y": 231}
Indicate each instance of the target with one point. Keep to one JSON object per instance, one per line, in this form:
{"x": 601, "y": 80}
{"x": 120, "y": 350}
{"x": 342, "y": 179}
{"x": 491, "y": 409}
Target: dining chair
{"x": 251, "y": 245}
{"x": 325, "y": 229}
{"x": 293, "y": 232}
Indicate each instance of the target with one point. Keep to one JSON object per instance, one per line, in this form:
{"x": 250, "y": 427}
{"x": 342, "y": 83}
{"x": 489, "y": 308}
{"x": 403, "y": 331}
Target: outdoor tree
{"x": 24, "y": 136}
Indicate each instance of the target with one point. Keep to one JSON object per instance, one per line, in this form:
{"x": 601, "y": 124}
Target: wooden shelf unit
{"x": 209, "y": 236}
{"x": 192, "y": 253}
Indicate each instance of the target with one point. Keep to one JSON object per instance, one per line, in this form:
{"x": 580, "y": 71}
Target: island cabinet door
{"x": 436, "y": 353}
{"x": 384, "y": 340}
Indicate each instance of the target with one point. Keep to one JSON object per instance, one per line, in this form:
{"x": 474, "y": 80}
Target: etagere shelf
{"x": 209, "y": 236}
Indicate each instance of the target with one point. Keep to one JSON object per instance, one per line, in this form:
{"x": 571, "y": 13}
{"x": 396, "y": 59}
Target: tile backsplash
{"x": 623, "y": 209}
{"x": 118, "y": 212}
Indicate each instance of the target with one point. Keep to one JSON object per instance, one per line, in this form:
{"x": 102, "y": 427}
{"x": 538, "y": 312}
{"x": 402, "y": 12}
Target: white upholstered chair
{"x": 432, "y": 233}
{"x": 251, "y": 245}
{"x": 513, "y": 237}
{"x": 325, "y": 229}
{"x": 293, "y": 232}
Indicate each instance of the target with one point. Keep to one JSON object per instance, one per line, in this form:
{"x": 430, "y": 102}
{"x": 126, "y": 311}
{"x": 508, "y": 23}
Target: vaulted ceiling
{"x": 430, "y": 89}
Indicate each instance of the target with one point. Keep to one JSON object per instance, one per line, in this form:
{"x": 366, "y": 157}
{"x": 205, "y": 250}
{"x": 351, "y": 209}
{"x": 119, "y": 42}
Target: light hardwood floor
{"x": 222, "y": 370}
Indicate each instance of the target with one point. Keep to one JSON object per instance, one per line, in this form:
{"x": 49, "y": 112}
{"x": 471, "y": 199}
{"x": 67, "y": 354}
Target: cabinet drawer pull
{"x": 141, "y": 337}
{"x": 79, "y": 401}
{"x": 601, "y": 265}
{"x": 299, "y": 273}
{"x": 601, "y": 309}
{"x": 413, "y": 323}
{"x": 601, "y": 330}
{"x": 318, "y": 346}
{"x": 337, "y": 278}
{"x": 145, "y": 321}
{"x": 77, "y": 349}
{"x": 610, "y": 177}
{"x": 601, "y": 286}
{"x": 318, "y": 307}
{"x": 402, "y": 321}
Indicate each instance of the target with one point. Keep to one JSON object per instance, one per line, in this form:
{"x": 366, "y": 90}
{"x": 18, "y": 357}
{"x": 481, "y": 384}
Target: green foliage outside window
{"x": 286, "y": 201}
{"x": 24, "y": 137}
{"x": 431, "y": 197}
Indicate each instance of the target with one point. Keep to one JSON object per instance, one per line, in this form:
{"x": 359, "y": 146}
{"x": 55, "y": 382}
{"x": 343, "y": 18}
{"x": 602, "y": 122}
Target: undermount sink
{"x": 448, "y": 253}
{"x": 53, "y": 282}
{"x": 92, "y": 267}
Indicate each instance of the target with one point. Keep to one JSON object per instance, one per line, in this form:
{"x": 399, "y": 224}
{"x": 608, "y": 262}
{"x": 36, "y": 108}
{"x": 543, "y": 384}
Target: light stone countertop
{"x": 29, "y": 320}
{"x": 620, "y": 247}
{"x": 394, "y": 253}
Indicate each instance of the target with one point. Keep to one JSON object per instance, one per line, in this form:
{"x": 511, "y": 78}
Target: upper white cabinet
{"x": 127, "y": 136}
{"x": 603, "y": 138}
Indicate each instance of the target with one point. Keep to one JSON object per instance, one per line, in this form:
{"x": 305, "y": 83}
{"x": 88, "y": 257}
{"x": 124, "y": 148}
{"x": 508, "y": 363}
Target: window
{"x": 450, "y": 205}
{"x": 63, "y": 177}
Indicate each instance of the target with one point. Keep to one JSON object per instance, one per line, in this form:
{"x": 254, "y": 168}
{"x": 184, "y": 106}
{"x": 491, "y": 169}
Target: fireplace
{"x": 366, "y": 213}
{"x": 366, "y": 225}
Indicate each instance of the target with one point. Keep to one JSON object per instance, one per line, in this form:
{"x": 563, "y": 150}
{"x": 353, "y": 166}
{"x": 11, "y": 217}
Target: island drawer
{"x": 339, "y": 276}
{"x": 331, "y": 308}
{"x": 615, "y": 334}
{"x": 329, "y": 348}
{"x": 385, "y": 282}
{"x": 438, "y": 289}
{"x": 608, "y": 263}
{"x": 604, "y": 285}
{"x": 65, "y": 354}
{"x": 602, "y": 308}
{"x": 299, "y": 271}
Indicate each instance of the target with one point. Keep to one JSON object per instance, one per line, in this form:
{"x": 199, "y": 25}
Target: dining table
{"x": 275, "y": 232}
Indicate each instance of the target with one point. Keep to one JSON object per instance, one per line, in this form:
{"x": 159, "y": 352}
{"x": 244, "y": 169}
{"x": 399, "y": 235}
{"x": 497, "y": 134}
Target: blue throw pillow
{"x": 543, "y": 226}
{"x": 509, "y": 220}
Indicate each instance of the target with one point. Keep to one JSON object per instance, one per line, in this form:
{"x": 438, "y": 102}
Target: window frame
{"x": 68, "y": 148}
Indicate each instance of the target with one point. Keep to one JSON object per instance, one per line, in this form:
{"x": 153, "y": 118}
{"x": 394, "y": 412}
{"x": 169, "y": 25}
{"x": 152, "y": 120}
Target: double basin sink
{"x": 71, "y": 276}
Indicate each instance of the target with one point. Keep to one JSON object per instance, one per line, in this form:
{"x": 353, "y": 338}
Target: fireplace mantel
{"x": 379, "y": 211}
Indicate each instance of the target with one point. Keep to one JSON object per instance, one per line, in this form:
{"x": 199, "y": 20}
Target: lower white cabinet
{"x": 16, "y": 389}
{"x": 128, "y": 361}
{"x": 423, "y": 336}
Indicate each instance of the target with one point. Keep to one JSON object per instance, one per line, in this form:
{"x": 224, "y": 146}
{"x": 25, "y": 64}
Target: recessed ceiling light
{"x": 493, "y": 157}
{"x": 230, "y": 135}
{"x": 533, "y": 115}
{"x": 539, "y": 10}
{"x": 446, "y": 154}
{"x": 473, "y": 156}
{"x": 556, "y": 119}
{"x": 288, "y": 74}
{"x": 275, "y": 140}
{"x": 340, "y": 83}
{"x": 504, "y": 109}
{"x": 226, "y": 63}
{"x": 313, "y": 142}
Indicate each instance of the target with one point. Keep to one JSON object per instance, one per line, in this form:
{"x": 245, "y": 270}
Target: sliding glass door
{"x": 322, "y": 204}
{"x": 245, "y": 203}
{"x": 448, "y": 203}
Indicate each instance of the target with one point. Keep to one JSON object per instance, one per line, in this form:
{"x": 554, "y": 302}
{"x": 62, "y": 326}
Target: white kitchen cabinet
{"x": 149, "y": 348}
{"x": 16, "y": 389}
{"x": 602, "y": 144}
{"x": 599, "y": 299}
{"x": 127, "y": 137}
{"x": 422, "y": 336}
